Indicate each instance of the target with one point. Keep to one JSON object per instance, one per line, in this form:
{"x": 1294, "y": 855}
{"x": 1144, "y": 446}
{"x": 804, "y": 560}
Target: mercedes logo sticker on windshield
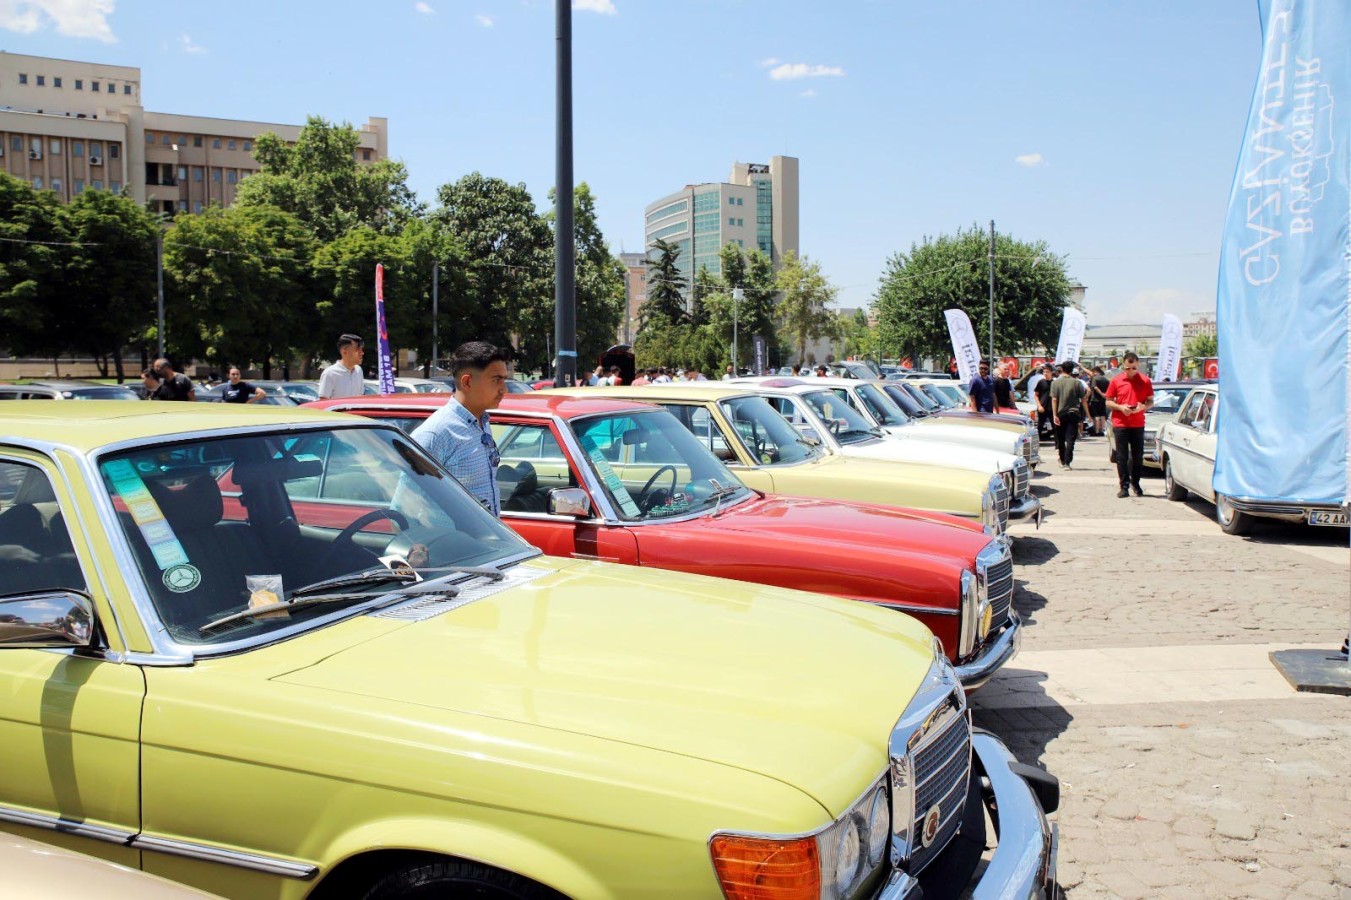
{"x": 181, "y": 579}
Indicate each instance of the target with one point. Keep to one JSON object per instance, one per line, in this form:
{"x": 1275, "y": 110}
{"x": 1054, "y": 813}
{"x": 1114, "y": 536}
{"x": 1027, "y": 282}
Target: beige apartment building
{"x": 69, "y": 126}
{"x": 756, "y": 207}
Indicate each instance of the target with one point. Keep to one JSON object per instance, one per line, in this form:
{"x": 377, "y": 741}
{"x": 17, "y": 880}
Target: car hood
{"x": 929, "y": 445}
{"x": 851, "y": 524}
{"x": 990, "y": 436}
{"x": 742, "y": 675}
{"x": 859, "y": 479}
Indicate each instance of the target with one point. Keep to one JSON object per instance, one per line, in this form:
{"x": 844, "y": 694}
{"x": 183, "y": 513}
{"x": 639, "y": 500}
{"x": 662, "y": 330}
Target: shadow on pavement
{"x": 1033, "y": 551}
{"x": 1044, "y": 490}
{"x": 1014, "y": 706}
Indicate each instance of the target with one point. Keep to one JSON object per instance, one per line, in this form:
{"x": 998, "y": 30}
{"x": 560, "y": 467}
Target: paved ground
{"x": 1188, "y": 766}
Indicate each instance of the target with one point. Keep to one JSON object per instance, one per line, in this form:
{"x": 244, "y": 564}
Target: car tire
{"x": 1231, "y": 520}
{"x": 456, "y": 879}
{"x": 1174, "y": 490}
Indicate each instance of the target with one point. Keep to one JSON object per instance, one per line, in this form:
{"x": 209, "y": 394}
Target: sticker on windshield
{"x": 149, "y": 519}
{"x": 181, "y": 579}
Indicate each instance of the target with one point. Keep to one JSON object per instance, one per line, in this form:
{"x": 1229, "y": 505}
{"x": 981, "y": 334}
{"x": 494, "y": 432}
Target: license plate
{"x": 1327, "y": 518}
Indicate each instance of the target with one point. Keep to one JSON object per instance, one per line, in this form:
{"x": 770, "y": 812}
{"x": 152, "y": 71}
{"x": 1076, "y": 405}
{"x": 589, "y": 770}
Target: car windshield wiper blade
{"x": 375, "y": 575}
{"x": 485, "y": 571}
{"x": 286, "y": 606}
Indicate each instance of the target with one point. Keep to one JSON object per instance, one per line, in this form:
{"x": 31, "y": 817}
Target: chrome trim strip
{"x": 923, "y": 610}
{"x": 256, "y": 862}
{"x": 65, "y": 826}
{"x": 1024, "y": 507}
{"x": 1023, "y": 865}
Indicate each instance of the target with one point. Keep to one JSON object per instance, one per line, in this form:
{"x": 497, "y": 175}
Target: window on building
{"x": 94, "y": 86}
{"x": 167, "y": 206}
{"x": 248, "y": 145}
{"x": 231, "y": 177}
{"x": 79, "y": 84}
{"x": 149, "y": 138}
{"x": 196, "y": 140}
{"x": 182, "y": 140}
{"x": 97, "y": 184}
{"x": 23, "y": 79}
{"x": 731, "y": 201}
{"x": 79, "y": 185}
{"x": 164, "y": 140}
{"x": 115, "y": 187}
{"x": 366, "y": 155}
{"x": 182, "y": 206}
{"x": 36, "y": 145}
{"x": 166, "y": 175}
{"x": 114, "y": 151}
{"x": 42, "y": 80}
{"x": 215, "y": 176}
{"x": 126, "y": 89}
{"x": 197, "y": 206}
{"x": 16, "y": 143}
{"x": 56, "y": 185}
{"x": 215, "y": 143}
{"x": 37, "y": 182}
{"x": 95, "y": 148}
{"x": 56, "y": 81}
{"x": 197, "y": 174}
{"x": 731, "y": 221}
{"x": 232, "y": 145}
{"x": 77, "y": 148}
{"x": 55, "y": 146}
{"x": 182, "y": 173}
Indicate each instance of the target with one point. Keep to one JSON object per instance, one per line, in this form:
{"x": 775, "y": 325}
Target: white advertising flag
{"x": 1170, "y": 349}
{"x": 1071, "y": 336}
{"x": 964, "y": 347}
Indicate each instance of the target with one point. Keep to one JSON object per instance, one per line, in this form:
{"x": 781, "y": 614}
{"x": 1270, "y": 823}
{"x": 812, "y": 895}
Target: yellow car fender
{"x": 463, "y": 840}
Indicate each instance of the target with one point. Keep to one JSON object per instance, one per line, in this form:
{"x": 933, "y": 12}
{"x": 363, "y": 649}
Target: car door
{"x": 1203, "y": 442}
{"x": 1182, "y": 436}
{"x": 69, "y": 721}
{"x": 533, "y": 464}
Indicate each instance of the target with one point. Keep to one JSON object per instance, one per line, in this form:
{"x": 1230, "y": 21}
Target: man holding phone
{"x": 1129, "y": 395}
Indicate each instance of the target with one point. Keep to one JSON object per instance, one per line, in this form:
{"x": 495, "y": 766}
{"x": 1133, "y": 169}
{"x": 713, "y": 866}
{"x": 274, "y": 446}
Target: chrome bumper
{"x": 1021, "y": 509}
{"x": 993, "y": 655}
{"x": 1023, "y": 866}
{"x": 1274, "y": 509}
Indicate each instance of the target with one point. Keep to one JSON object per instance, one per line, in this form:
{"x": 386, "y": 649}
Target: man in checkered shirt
{"x": 458, "y": 435}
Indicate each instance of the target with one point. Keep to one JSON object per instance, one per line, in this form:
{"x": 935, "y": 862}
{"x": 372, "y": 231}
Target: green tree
{"x": 804, "y": 298}
{"x": 706, "y": 284}
{"x": 507, "y": 279}
{"x": 753, "y": 272}
{"x": 110, "y": 276}
{"x": 1202, "y": 346}
{"x": 33, "y": 257}
{"x": 599, "y": 285}
{"x": 319, "y": 180}
{"x": 665, "y": 303}
{"x": 860, "y": 338}
{"x": 952, "y": 272}
{"x": 239, "y": 286}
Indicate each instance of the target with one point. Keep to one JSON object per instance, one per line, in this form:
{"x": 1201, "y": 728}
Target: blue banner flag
{"x": 1282, "y": 306}
{"x": 386, "y": 363}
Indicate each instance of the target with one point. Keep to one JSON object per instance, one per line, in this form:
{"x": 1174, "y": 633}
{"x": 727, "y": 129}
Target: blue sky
{"x": 1108, "y": 129}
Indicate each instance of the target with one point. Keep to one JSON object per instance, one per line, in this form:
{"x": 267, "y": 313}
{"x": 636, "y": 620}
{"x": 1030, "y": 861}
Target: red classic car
{"x": 625, "y": 482}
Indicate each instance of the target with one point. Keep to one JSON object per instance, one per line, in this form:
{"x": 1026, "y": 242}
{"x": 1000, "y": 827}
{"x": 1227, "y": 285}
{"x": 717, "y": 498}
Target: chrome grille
{"x": 1022, "y": 482}
{"x": 1026, "y": 447}
{"x": 1001, "y": 504}
{"x": 942, "y": 765}
{"x": 999, "y": 577}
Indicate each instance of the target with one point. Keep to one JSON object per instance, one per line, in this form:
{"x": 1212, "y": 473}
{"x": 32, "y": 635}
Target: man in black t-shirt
{"x": 1003, "y": 389}
{"x": 240, "y": 391}
{"x": 173, "y": 385}
{"x": 1043, "y": 393}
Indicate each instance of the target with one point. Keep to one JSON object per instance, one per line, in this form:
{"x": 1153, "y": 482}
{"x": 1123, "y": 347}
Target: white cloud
{"x": 1146, "y": 307}
{"x": 72, "y": 18}
{"x": 424, "y": 8}
{"x": 187, "y": 46}
{"x": 1030, "y": 160}
{"x": 808, "y": 93}
{"x": 768, "y": 61}
{"x": 485, "y": 21}
{"x": 605, "y": 7}
{"x": 793, "y": 71}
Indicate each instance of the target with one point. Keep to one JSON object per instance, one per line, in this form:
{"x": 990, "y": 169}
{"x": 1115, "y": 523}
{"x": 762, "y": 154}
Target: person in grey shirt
{"x": 1069, "y": 404}
{"x": 344, "y": 378}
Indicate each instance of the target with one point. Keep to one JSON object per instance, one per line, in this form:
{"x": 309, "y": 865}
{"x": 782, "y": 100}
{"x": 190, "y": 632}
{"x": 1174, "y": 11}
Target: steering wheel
{"x": 647, "y": 498}
{"x": 344, "y": 538}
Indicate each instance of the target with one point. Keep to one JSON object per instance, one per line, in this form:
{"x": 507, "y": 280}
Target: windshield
{"x": 922, "y": 398}
{"x": 902, "y": 398}
{"x": 946, "y": 394}
{"x": 769, "y": 439}
{"x": 880, "y": 405}
{"x": 101, "y": 393}
{"x": 222, "y": 525}
{"x": 1168, "y": 400}
{"x": 842, "y": 419}
{"x": 651, "y": 467}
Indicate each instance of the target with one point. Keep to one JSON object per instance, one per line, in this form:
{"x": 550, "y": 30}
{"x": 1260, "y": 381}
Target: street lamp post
{"x": 737, "y": 296}
{"x": 436, "y": 286}
{"x": 159, "y": 288}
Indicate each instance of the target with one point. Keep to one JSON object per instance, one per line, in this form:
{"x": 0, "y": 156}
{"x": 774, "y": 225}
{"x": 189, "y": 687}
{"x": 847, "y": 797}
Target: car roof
{"x": 65, "y": 384}
{"x": 560, "y": 403}
{"x": 98, "y": 423}
{"x": 701, "y": 391}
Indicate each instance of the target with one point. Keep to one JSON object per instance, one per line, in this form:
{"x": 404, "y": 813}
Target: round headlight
{"x": 847, "y": 855}
{"x": 879, "y": 828}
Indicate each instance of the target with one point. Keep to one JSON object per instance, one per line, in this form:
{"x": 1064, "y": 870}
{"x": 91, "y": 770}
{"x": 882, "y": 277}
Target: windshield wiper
{"x": 399, "y": 593}
{"x": 721, "y": 490}
{"x": 373, "y": 575}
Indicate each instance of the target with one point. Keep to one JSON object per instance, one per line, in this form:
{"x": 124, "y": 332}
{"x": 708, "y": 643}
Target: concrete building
{"x": 635, "y": 290}
{"x": 1113, "y": 340}
{"x": 756, "y": 207}
{"x": 1202, "y": 323}
{"x": 68, "y": 126}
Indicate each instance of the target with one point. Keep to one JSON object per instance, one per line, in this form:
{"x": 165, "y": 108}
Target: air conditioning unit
{"x": 96, "y": 160}
{"x": 35, "y": 154}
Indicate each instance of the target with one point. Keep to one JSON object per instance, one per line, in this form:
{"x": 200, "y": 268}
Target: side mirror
{"x": 49, "y": 619}
{"x": 569, "y": 502}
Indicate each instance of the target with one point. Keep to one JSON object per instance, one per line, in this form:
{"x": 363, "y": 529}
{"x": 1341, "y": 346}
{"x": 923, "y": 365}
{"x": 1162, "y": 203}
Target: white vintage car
{"x": 1186, "y": 449}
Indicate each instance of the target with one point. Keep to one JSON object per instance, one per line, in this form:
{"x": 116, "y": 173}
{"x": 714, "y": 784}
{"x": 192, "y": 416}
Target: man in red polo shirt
{"x": 1128, "y": 396}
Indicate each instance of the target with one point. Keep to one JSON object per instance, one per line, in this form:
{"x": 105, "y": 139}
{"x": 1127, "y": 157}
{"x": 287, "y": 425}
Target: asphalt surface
{"x": 1188, "y": 766}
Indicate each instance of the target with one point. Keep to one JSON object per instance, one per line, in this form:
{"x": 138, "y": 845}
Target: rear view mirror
{"x": 635, "y": 436}
{"x": 572, "y": 502}
{"x": 49, "y": 619}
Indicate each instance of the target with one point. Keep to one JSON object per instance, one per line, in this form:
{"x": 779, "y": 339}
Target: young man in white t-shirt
{"x": 344, "y": 378}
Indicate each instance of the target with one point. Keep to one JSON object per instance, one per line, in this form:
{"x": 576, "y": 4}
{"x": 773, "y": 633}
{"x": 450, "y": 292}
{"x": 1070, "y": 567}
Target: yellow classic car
{"x": 767, "y": 453}
{"x": 217, "y": 671}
